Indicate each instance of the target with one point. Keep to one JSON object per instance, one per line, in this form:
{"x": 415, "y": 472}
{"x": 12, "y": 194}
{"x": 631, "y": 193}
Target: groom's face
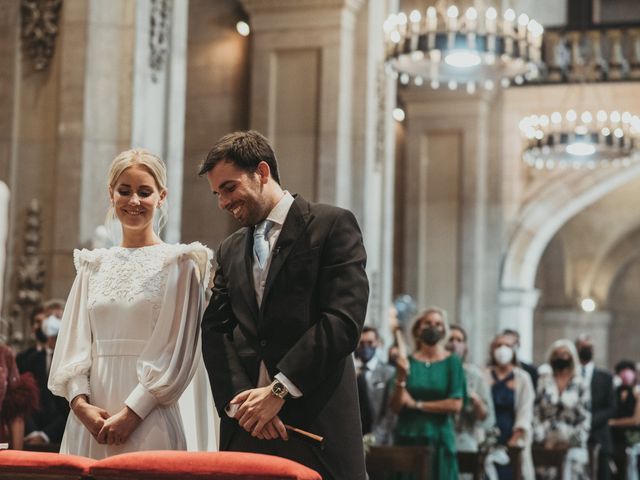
{"x": 239, "y": 192}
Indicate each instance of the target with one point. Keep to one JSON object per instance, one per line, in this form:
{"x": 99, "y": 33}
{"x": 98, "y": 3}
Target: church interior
{"x": 500, "y": 184}
{"x": 454, "y": 211}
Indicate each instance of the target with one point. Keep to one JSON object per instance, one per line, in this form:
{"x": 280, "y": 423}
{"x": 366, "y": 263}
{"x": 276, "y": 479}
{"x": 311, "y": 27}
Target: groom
{"x": 289, "y": 300}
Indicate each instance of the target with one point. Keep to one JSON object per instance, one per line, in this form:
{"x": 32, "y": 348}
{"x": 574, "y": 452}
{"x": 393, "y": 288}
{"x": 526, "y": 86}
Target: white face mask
{"x": 503, "y": 355}
{"x": 51, "y": 326}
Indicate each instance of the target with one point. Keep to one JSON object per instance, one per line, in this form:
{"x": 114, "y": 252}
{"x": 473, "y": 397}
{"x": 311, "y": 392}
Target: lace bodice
{"x": 129, "y": 276}
{"x": 145, "y": 303}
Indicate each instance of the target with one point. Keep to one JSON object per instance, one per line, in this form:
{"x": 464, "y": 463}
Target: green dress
{"x": 433, "y": 381}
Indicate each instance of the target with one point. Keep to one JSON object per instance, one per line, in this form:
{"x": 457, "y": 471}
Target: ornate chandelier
{"x": 587, "y": 140}
{"x": 442, "y": 45}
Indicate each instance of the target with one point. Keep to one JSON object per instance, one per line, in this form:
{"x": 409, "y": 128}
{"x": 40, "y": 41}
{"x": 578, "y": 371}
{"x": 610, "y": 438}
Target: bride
{"x": 130, "y": 338}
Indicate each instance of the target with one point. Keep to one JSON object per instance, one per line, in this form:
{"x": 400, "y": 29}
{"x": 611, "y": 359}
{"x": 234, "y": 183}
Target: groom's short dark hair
{"x": 245, "y": 150}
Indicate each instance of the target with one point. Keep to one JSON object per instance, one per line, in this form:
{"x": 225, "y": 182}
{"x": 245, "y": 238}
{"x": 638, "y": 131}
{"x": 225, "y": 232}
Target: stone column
{"x": 107, "y": 98}
{"x": 301, "y": 91}
{"x": 159, "y": 94}
{"x": 374, "y": 97}
{"x": 516, "y": 310}
{"x": 446, "y": 208}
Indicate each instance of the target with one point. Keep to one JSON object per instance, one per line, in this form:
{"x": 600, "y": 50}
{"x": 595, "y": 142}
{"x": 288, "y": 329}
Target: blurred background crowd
{"x": 431, "y": 394}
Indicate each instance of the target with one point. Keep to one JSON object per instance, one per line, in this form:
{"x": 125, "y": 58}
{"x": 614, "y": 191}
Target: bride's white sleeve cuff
{"x": 78, "y": 385}
{"x": 141, "y": 401}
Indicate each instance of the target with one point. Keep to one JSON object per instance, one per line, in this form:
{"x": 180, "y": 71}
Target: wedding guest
{"x": 562, "y": 416}
{"x": 625, "y": 424}
{"x": 603, "y": 406}
{"x": 46, "y": 425}
{"x": 18, "y": 399}
{"x": 513, "y": 397}
{"x": 430, "y": 389}
{"x": 373, "y": 377}
{"x": 477, "y": 415}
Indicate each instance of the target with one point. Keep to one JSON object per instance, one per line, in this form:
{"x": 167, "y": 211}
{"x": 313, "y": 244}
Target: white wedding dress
{"x": 130, "y": 335}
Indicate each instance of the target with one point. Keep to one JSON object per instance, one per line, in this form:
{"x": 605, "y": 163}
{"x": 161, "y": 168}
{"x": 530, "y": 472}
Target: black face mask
{"x": 431, "y": 335}
{"x": 40, "y": 336}
{"x": 560, "y": 363}
{"x": 585, "y": 354}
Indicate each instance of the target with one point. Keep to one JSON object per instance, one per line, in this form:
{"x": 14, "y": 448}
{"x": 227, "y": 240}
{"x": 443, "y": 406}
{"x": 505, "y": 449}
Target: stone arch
{"x": 624, "y": 250}
{"x": 539, "y": 220}
{"x": 544, "y": 214}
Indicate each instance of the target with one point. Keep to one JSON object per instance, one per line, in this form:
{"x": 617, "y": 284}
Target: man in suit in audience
{"x": 289, "y": 301}
{"x": 602, "y": 403}
{"x": 527, "y": 367}
{"x": 47, "y": 424}
{"x": 373, "y": 388}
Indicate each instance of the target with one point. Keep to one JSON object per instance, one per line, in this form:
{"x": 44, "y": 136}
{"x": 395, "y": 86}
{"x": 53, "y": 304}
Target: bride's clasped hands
{"x": 117, "y": 428}
{"x": 105, "y": 428}
{"x": 92, "y": 417}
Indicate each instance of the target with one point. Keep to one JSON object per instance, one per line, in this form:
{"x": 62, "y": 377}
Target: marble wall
{"x": 217, "y": 102}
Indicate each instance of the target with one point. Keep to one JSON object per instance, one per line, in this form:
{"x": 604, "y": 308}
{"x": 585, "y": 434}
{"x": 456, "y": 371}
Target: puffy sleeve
{"x": 69, "y": 373}
{"x": 168, "y": 362}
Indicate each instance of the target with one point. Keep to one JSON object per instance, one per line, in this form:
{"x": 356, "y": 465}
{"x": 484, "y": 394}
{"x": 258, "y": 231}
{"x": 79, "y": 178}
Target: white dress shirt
{"x": 587, "y": 372}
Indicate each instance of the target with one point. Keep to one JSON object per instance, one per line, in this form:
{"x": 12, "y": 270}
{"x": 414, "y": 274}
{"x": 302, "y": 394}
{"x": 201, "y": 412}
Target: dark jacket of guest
{"x": 533, "y": 373}
{"x": 603, "y": 407}
{"x": 52, "y": 415}
{"x": 374, "y": 393}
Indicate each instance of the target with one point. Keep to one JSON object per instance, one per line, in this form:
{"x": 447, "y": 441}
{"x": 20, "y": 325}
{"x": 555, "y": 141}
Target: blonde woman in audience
{"x": 430, "y": 389}
{"x": 130, "y": 335}
{"x": 562, "y": 416}
{"x": 513, "y": 396}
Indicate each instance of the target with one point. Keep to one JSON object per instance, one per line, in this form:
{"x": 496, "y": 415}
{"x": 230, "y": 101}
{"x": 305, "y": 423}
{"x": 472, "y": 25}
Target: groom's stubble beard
{"x": 256, "y": 206}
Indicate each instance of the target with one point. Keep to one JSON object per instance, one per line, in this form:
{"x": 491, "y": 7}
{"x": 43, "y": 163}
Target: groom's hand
{"x": 258, "y": 406}
{"x": 273, "y": 430}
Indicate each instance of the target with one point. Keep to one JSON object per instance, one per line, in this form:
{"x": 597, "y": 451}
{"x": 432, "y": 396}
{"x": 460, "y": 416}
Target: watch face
{"x": 279, "y": 389}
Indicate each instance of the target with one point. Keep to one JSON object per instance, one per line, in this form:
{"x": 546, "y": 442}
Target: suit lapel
{"x": 294, "y": 225}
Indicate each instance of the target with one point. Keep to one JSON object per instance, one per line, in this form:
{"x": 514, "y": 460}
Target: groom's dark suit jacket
{"x": 308, "y": 325}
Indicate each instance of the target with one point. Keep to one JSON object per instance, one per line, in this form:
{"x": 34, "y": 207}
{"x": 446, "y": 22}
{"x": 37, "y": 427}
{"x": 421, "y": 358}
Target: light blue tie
{"x": 260, "y": 242}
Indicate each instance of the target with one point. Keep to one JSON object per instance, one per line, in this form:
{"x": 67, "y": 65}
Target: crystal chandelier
{"x": 575, "y": 141}
{"x": 442, "y": 45}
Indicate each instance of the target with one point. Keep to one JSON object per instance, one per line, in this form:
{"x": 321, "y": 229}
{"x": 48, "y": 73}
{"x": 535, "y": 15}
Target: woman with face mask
{"x": 513, "y": 395}
{"x": 625, "y": 426}
{"x": 562, "y": 416}
{"x": 429, "y": 389}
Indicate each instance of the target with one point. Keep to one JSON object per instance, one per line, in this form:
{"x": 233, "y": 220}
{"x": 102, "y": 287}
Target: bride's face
{"x": 135, "y": 197}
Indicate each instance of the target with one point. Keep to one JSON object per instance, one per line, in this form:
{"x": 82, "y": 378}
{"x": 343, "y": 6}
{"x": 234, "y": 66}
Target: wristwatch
{"x": 278, "y": 389}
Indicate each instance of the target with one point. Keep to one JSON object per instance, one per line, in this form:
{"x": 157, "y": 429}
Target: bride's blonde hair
{"x": 155, "y": 166}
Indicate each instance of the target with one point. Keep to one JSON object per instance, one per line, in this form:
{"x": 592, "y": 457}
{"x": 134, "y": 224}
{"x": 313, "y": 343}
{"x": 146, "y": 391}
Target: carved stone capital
{"x": 39, "y": 29}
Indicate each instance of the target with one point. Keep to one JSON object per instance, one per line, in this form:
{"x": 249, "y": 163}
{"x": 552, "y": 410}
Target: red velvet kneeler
{"x": 170, "y": 465}
{"x": 17, "y": 464}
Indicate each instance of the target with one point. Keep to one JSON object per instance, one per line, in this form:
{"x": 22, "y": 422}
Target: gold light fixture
{"x": 572, "y": 140}
{"x": 447, "y": 45}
